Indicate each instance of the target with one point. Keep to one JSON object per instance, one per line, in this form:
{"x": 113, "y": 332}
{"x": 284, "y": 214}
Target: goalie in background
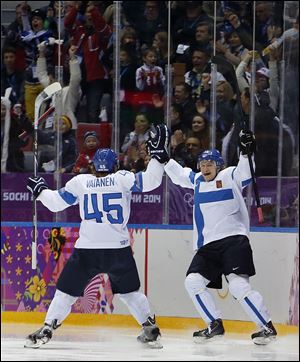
{"x": 221, "y": 237}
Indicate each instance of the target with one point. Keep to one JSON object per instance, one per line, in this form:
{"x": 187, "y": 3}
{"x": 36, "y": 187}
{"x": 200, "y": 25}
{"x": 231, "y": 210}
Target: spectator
{"x": 14, "y": 125}
{"x": 20, "y": 130}
{"x": 70, "y": 93}
{"x": 264, "y": 80}
{"x": 32, "y": 35}
{"x": 127, "y": 89}
{"x": 47, "y": 157}
{"x": 127, "y": 73}
{"x": 273, "y": 80}
{"x": 264, "y": 22}
{"x": 267, "y": 138}
{"x": 160, "y": 43}
{"x": 187, "y": 154}
{"x": 128, "y": 35}
{"x": 13, "y": 38}
{"x": 139, "y": 135}
{"x": 225, "y": 107}
{"x": 55, "y": 18}
{"x": 177, "y": 141}
{"x": 150, "y": 77}
{"x": 176, "y": 119}
{"x": 202, "y": 104}
{"x": 128, "y": 38}
{"x": 11, "y": 77}
{"x": 182, "y": 97}
{"x": 201, "y": 130}
{"x": 152, "y": 20}
{"x": 108, "y": 10}
{"x": 89, "y": 148}
{"x": 135, "y": 142}
{"x": 266, "y": 129}
{"x": 291, "y": 57}
{"x": 5, "y": 127}
{"x": 200, "y": 65}
{"x": 90, "y": 36}
{"x": 202, "y": 40}
{"x": 204, "y": 34}
{"x": 232, "y": 49}
{"x": 53, "y": 21}
{"x": 264, "y": 26}
{"x": 199, "y": 78}
{"x": 150, "y": 81}
{"x": 185, "y": 27}
{"x": 132, "y": 11}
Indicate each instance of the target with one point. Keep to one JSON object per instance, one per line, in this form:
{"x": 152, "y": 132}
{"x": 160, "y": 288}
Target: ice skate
{"x": 150, "y": 334}
{"x": 265, "y": 335}
{"x": 215, "y": 329}
{"x": 41, "y": 336}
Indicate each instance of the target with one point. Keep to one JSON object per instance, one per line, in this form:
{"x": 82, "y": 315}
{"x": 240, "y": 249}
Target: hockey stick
{"x": 231, "y": 78}
{"x": 45, "y": 95}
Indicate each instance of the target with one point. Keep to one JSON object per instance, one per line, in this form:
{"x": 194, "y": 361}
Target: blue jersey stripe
{"x": 192, "y": 177}
{"x": 198, "y": 218}
{"x": 246, "y": 182}
{"x": 205, "y": 310}
{"x": 252, "y": 306}
{"x": 67, "y": 196}
{"x": 214, "y": 196}
{"x": 138, "y": 184}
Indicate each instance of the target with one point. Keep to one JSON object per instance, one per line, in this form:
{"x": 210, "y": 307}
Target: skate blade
{"x": 262, "y": 341}
{"x": 154, "y": 345}
{"x": 31, "y": 344}
{"x": 202, "y": 340}
{"x": 150, "y": 344}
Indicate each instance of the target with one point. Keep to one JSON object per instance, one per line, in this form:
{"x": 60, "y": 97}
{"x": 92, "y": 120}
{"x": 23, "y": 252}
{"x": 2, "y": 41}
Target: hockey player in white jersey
{"x": 103, "y": 245}
{"x": 221, "y": 238}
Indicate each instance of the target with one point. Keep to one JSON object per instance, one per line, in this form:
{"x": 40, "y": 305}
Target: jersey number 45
{"x": 116, "y": 209}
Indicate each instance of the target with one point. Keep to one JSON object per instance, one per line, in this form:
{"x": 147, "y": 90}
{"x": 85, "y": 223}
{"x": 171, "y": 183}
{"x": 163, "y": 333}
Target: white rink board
{"x": 169, "y": 256}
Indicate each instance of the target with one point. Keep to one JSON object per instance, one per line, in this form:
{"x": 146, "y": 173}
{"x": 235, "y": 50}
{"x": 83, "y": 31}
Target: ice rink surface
{"x": 83, "y": 343}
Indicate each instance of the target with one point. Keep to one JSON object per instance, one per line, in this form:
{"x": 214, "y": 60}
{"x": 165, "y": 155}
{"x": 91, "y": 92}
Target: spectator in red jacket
{"x": 90, "y": 35}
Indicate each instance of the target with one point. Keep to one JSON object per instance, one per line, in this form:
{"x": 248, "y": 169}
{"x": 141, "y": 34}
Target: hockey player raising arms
{"x": 221, "y": 237}
{"x": 103, "y": 245}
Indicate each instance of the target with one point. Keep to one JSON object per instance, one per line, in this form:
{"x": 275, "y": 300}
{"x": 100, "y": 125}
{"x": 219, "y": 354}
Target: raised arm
{"x": 182, "y": 176}
{"x": 54, "y": 200}
{"x": 157, "y": 148}
{"x": 242, "y": 173}
{"x": 152, "y": 177}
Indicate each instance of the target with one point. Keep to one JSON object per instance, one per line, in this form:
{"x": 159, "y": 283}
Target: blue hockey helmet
{"x": 211, "y": 155}
{"x": 105, "y": 160}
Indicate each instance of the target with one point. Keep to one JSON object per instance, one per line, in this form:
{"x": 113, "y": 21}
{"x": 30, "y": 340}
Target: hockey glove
{"x": 158, "y": 143}
{"x": 36, "y": 185}
{"x": 247, "y": 142}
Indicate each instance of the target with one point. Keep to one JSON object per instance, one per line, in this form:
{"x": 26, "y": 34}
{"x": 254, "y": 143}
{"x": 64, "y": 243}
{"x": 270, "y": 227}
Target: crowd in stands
{"x": 80, "y": 37}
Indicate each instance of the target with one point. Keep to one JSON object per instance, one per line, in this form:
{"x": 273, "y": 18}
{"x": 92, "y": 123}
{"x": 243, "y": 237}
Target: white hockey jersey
{"x": 104, "y": 204}
{"x": 219, "y": 208}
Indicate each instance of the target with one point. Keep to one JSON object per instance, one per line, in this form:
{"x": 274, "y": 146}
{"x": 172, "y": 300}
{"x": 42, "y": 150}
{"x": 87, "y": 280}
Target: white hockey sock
{"x": 204, "y": 302}
{"x": 60, "y": 307}
{"x": 138, "y": 305}
{"x": 250, "y": 300}
{"x": 254, "y": 306}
